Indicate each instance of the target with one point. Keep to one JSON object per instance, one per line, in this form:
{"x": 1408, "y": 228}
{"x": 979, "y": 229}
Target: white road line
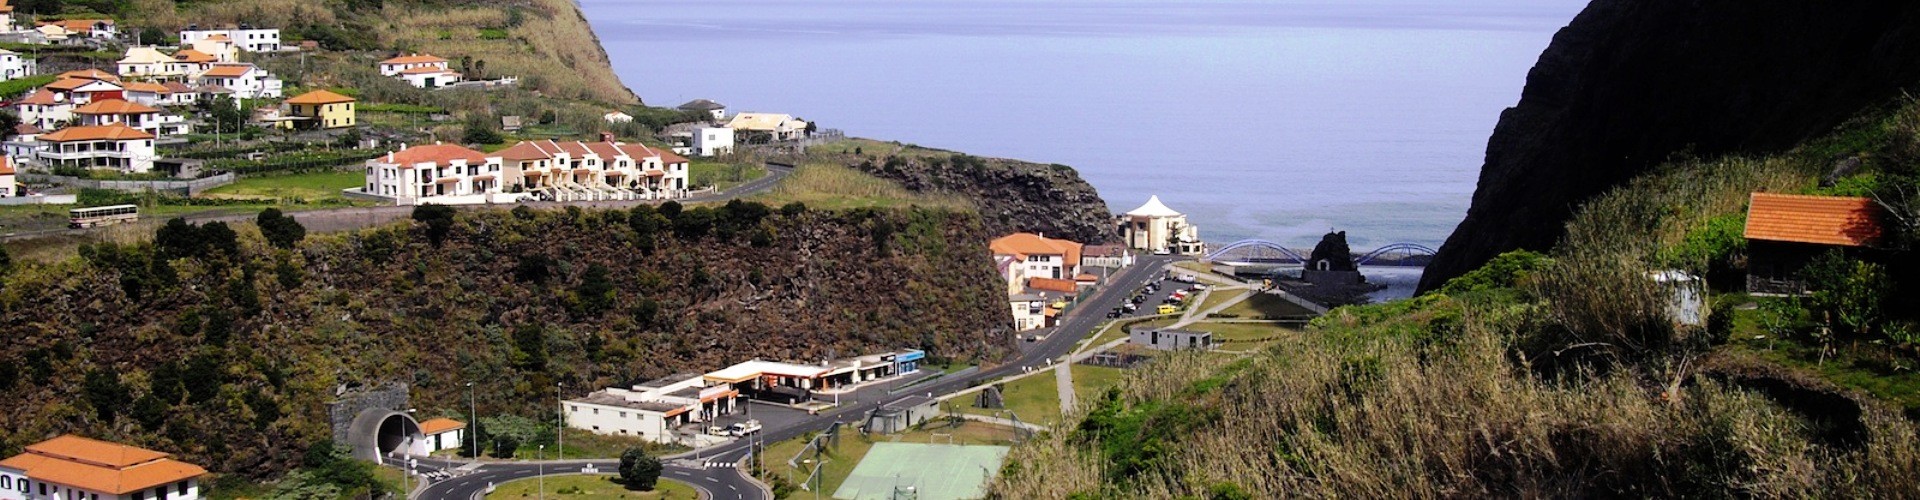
{"x": 711, "y": 479}
{"x": 730, "y": 487}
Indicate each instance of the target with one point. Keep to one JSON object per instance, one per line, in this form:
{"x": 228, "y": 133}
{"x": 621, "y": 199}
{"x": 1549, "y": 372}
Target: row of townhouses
{"x": 539, "y": 170}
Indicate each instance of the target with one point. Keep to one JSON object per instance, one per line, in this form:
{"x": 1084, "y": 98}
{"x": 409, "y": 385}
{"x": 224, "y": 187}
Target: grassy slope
{"x": 589, "y": 487}
{"x": 1470, "y": 393}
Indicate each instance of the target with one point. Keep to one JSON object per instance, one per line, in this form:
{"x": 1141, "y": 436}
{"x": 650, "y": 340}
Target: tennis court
{"x": 934, "y": 471}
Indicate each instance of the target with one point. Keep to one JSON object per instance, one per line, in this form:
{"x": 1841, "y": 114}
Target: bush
{"x": 438, "y": 219}
{"x": 281, "y": 231}
{"x": 638, "y": 470}
{"x": 1508, "y": 270}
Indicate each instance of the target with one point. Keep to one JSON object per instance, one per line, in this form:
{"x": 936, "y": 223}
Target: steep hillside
{"x": 1630, "y": 83}
{"x": 547, "y": 43}
{"x": 225, "y": 353}
{"x": 1011, "y": 195}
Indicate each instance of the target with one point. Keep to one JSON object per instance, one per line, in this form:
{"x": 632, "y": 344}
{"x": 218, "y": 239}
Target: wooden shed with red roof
{"x": 1785, "y": 232}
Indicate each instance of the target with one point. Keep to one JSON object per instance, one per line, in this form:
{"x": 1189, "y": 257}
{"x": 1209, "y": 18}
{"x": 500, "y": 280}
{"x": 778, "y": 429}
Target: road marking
{"x": 730, "y": 487}
{"x": 713, "y": 479}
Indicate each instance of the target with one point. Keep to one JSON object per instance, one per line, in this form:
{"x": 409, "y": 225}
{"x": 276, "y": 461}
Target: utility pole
{"x": 540, "y": 469}
{"x": 473, "y": 413}
{"x": 560, "y": 433}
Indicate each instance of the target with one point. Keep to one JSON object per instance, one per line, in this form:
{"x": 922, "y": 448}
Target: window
{"x": 6, "y": 482}
{"x": 180, "y": 487}
{"x": 596, "y": 411}
{"x": 160, "y": 492}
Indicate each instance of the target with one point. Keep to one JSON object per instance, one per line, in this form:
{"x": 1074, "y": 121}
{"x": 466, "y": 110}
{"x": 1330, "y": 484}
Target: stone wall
{"x": 341, "y": 412}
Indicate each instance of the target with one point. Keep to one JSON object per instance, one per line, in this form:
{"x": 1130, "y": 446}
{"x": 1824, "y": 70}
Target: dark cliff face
{"x": 1629, "y": 83}
{"x": 1012, "y": 195}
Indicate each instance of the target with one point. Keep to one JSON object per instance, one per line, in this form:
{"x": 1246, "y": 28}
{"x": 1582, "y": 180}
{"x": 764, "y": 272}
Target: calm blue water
{"x": 1276, "y": 119}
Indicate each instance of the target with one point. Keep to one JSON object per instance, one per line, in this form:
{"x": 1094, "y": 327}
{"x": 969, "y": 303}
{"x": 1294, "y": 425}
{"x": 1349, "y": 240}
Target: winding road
{"x": 715, "y": 470}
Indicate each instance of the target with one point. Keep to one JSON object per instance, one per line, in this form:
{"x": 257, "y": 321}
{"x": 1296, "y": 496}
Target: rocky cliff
{"x": 1631, "y": 83}
{"x": 1011, "y": 195}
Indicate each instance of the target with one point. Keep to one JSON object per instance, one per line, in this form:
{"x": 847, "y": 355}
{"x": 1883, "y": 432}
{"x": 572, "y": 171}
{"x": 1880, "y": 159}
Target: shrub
{"x": 438, "y": 219}
{"x": 1508, "y": 270}
{"x": 638, "y": 470}
{"x": 281, "y": 231}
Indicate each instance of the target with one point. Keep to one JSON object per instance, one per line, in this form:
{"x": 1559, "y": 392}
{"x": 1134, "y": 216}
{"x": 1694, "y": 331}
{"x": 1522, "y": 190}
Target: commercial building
{"x": 71, "y": 467}
{"x": 1167, "y": 339}
{"x": 792, "y": 383}
{"x": 777, "y": 127}
{"x": 660, "y": 411}
{"x": 1156, "y": 228}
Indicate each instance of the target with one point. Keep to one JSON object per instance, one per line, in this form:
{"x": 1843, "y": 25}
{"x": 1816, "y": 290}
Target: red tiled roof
{"x": 193, "y": 56}
{"x": 114, "y": 132}
{"x": 41, "y": 97}
{"x": 529, "y": 150}
{"x": 424, "y": 70}
{"x": 1822, "y": 220}
{"x": 101, "y": 466}
{"x": 438, "y": 154}
{"x": 319, "y": 97}
{"x": 113, "y": 107}
{"x": 1053, "y": 285}
{"x": 439, "y": 425}
{"x": 1033, "y": 244}
{"x": 6, "y": 167}
{"x": 414, "y": 59}
{"x": 228, "y": 70}
{"x": 91, "y": 74}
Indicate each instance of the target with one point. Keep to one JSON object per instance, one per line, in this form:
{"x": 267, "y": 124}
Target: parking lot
{"x": 1146, "y": 297}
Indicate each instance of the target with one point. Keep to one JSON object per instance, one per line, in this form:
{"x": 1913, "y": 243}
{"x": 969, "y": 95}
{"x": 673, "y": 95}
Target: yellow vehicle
{"x": 1166, "y": 309}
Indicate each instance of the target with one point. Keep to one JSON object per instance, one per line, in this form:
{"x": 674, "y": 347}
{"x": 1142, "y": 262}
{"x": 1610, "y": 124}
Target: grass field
{"x": 585, "y": 444}
{"x": 1262, "y": 306}
{"x": 590, "y": 486}
{"x": 724, "y": 176}
{"x": 1217, "y": 297}
{"x": 294, "y": 189}
{"x": 1090, "y": 381}
{"x": 835, "y": 187}
{"x": 1035, "y": 399}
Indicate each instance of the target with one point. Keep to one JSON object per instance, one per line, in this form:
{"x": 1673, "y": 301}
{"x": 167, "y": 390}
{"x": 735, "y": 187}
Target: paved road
{"x": 708, "y": 468}
{"x": 348, "y": 218}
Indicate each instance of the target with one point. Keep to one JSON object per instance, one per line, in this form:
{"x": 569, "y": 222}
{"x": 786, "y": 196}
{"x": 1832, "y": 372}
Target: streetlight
{"x": 540, "y": 469}
{"x": 560, "y": 433}
{"x": 473, "y": 414}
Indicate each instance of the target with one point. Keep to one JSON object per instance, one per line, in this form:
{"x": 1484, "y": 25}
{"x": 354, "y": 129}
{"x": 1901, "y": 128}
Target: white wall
{"x": 618, "y": 421}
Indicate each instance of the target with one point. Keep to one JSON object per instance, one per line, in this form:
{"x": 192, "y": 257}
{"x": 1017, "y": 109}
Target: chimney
{"x": 606, "y": 136}
{"x": 389, "y": 156}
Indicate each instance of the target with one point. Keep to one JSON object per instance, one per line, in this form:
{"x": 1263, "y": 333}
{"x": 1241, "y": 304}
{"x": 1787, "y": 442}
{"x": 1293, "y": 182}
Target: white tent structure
{"x": 1154, "y": 227}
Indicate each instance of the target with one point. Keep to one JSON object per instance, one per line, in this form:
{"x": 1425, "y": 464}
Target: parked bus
{"x": 98, "y": 216}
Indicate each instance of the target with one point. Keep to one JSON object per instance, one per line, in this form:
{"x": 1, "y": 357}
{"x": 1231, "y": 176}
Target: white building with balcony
{"x": 115, "y": 111}
{"x": 244, "y": 37}
{"x": 72, "y": 467}
{"x": 244, "y": 79}
{"x": 13, "y": 66}
{"x": 115, "y": 146}
{"x": 436, "y": 173}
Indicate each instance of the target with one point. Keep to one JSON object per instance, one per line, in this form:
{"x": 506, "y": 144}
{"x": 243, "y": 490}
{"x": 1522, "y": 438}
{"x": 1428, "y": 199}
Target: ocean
{"x": 1273, "y": 119}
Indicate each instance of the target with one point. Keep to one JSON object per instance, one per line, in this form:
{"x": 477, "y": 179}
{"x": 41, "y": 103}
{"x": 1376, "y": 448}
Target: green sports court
{"x": 934, "y": 471}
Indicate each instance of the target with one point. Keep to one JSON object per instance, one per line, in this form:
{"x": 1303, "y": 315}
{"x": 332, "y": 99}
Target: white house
{"x": 573, "y": 170}
{"x": 1168, "y": 339}
{"x": 430, "y": 77}
{"x": 139, "y": 116}
{"x": 443, "y": 434}
{"x": 779, "y": 127}
{"x": 24, "y": 144}
{"x": 7, "y": 185}
{"x": 13, "y": 66}
{"x": 660, "y": 411}
{"x": 179, "y": 94}
{"x": 1041, "y": 257}
{"x": 717, "y": 110}
{"x": 244, "y": 79}
{"x": 43, "y": 108}
{"x": 191, "y": 62}
{"x": 1155, "y": 228}
{"x": 396, "y": 65}
{"x": 712, "y": 141}
{"x": 617, "y": 117}
{"x": 245, "y": 37}
{"x": 439, "y": 173}
{"x": 71, "y": 467}
{"x": 115, "y": 146}
{"x": 1029, "y": 311}
{"x": 148, "y": 62}
{"x": 217, "y": 45}
{"x": 89, "y": 28}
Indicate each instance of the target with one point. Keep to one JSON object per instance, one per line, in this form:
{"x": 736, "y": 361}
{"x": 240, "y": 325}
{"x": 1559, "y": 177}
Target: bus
{"x": 97, "y": 216}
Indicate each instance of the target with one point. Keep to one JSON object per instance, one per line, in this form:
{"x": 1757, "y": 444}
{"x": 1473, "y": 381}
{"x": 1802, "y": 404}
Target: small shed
{"x": 1785, "y": 232}
{"x": 443, "y": 433}
{"x": 902, "y": 414}
{"x": 1168, "y": 339}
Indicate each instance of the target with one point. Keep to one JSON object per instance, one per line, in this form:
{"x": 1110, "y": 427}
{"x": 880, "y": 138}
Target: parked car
{"x": 1166, "y": 309}
{"x": 739, "y": 429}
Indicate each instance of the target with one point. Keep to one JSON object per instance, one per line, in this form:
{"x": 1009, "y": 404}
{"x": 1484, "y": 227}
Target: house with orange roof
{"x": 1042, "y": 257}
{"x": 43, "y": 108}
{"x": 82, "y": 28}
{"x": 6, "y": 16}
{"x": 446, "y": 174}
{"x": 13, "y": 66}
{"x": 139, "y": 116}
{"x": 244, "y": 79}
{"x": 245, "y": 37}
{"x": 179, "y": 94}
{"x": 74, "y": 467}
{"x": 1785, "y": 232}
{"x": 8, "y": 187}
{"x": 605, "y": 170}
{"x": 319, "y": 109}
{"x": 115, "y": 146}
{"x": 443, "y": 433}
{"x": 147, "y": 62}
{"x": 398, "y": 64}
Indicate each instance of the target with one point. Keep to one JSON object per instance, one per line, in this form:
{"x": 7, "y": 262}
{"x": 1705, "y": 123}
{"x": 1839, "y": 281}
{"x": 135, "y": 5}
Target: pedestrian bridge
{"x": 1263, "y": 252}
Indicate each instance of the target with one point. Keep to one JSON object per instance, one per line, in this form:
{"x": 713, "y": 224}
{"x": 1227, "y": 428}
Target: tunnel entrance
{"x": 379, "y": 434}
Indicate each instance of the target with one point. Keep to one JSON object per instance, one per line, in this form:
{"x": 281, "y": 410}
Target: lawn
{"x": 1035, "y": 399}
{"x": 1869, "y": 368}
{"x": 701, "y": 173}
{"x": 589, "y": 486}
{"x": 1264, "y": 306}
{"x": 1217, "y": 297}
{"x": 1090, "y": 381}
{"x": 291, "y": 189}
{"x": 585, "y": 444}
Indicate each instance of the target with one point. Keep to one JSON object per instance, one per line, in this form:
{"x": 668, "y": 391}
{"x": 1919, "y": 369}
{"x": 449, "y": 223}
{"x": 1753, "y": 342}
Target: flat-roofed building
{"x": 71, "y": 467}
{"x": 658, "y": 410}
{"x": 1168, "y": 339}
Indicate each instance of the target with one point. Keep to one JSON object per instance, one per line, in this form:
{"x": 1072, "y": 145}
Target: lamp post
{"x": 473, "y": 414}
{"x": 540, "y": 469}
{"x": 560, "y": 433}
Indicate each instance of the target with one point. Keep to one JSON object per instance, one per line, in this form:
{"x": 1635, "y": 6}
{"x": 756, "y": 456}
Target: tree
{"x": 479, "y": 435}
{"x": 480, "y": 131}
{"x": 638, "y": 470}
{"x": 504, "y": 446}
{"x": 226, "y": 114}
{"x": 280, "y": 230}
{"x": 105, "y": 393}
{"x": 532, "y": 342}
{"x": 671, "y": 209}
{"x": 8, "y": 121}
{"x": 439, "y": 221}
{"x": 594, "y": 295}
{"x": 178, "y": 239}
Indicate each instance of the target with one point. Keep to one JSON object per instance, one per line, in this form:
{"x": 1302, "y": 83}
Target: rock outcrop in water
{"x": 1630, "y": 83}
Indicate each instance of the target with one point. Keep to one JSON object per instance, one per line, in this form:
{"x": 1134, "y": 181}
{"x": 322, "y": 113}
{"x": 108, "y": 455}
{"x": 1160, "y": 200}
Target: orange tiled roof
{"x": 69, "y": 84}
{"x": 529, "y": 150}
{"x": 439, "y": 425}
{"x": 114, "y": 132}
{"x": 99, "y": 465}
{"x": 178, "y": 87}
{"x": 1033, "y": 244}
{"x": 147, "y": 87}
{"x": 193, "y": 56}
{"x": 1053, "y": 285}
{"x": 113, "y": 107}
{"x": 438, "y": 154}
{"x": 6, "y": 167}
{"x": 41, "y": 97}
{"x": 91, "y": 74}
{"x": 1822, "y": 220}
{"x": 319, "y": 97}
{"x": 232, "y": 70}
{"x": 423, "y": 70}
{"x": 414, "y": 59}
{"x": 78, "y": 25}
{"x": 26, "y": 129}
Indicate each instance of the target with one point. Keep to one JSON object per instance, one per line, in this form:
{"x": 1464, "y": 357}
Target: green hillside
{"x": 1558, "y": 375}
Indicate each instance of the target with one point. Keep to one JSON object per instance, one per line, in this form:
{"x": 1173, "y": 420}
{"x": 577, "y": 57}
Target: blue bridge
{"x": 1263, "y": 252}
